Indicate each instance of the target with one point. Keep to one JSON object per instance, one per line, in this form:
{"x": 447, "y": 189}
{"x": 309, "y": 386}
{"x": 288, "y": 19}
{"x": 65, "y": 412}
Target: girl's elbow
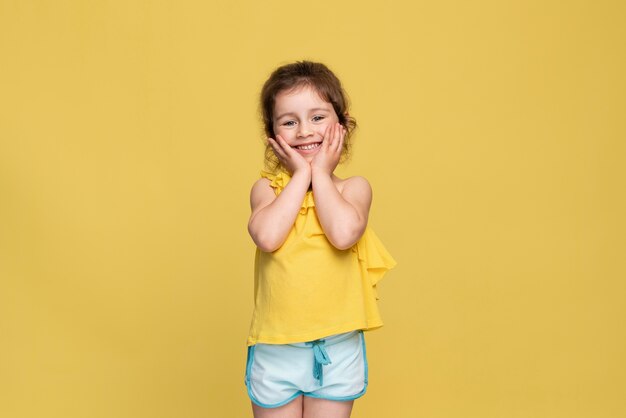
{"x": 345, "y": 240}
{"x": 267, "y": 246}
{"x": 343, "y": 245}
{"x": 265, "y": 242}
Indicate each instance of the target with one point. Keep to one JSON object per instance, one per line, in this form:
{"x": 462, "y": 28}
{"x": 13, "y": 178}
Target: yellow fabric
{"x": 308, "y": 289}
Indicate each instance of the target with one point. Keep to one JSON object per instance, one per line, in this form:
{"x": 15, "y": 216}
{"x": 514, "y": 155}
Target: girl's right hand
{"x": 288, "y": 157}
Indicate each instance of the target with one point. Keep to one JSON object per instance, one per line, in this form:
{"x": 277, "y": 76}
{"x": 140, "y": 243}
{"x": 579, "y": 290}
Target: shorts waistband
{"x": 330, "y": 340}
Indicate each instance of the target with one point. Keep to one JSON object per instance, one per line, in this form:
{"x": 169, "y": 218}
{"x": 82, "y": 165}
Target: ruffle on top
{"x": 278, "y": 182}
{"x": 374, "y": 257}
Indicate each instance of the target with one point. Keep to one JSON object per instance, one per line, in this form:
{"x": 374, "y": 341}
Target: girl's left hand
{"x": 327, "y": 158}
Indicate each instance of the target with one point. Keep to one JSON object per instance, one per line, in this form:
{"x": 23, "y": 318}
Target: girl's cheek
{"x": 325, "y": 129}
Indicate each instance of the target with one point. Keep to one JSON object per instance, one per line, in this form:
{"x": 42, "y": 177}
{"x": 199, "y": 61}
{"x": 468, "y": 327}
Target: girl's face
{"x": 301, "y": 117}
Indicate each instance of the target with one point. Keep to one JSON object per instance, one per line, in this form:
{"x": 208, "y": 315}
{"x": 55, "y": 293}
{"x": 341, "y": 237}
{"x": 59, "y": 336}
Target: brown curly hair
{"x": 299, "y": 74}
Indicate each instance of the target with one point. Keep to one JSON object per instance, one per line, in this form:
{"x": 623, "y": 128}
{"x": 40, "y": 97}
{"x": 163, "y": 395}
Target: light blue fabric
{"x": 333, "y": 368}
{"x": 320, "y": 358}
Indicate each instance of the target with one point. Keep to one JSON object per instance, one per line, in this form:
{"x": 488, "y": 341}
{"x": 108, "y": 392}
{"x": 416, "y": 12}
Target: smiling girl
{"x": 317, "y": 261}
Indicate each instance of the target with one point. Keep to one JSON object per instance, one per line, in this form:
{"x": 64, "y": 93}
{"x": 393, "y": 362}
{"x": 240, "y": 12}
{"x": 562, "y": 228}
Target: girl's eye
{"x": 317, "y": 118}
{"x": 289, "y": 123}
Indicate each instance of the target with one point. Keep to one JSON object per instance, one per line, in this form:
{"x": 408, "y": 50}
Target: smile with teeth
{"x": 307, "y": 147}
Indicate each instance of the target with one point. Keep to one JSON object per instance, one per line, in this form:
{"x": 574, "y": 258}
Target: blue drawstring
{"x": 320, "y": 358}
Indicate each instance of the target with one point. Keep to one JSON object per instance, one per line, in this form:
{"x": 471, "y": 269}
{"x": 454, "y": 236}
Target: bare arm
{"x": 273, "y": 216}
{"x": 343, "y": 216}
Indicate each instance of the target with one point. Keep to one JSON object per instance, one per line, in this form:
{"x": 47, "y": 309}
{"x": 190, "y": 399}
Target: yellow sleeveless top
{"x": 308, "y": 289}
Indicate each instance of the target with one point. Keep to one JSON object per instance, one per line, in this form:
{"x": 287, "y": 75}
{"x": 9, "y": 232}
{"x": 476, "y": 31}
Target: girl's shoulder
{"x": 261, "y": 187}
{"x": 261, "y": 191}
{"x": 351, "y": 184}
{"x": 261, "y": 183}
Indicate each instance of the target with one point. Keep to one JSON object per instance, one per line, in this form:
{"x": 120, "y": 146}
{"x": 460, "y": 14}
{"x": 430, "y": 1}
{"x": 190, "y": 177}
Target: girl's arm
{"x": 343, "y": 216}
{"x": 273, "y": 216}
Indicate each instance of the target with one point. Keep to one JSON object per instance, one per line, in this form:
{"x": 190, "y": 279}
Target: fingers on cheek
{"x": 340, "y": 136}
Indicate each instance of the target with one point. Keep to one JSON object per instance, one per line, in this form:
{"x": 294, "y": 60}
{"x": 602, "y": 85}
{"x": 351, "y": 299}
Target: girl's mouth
{"x": 308, "y": 147}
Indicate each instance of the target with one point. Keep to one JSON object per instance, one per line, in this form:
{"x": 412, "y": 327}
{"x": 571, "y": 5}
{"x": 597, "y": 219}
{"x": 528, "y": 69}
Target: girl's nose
{"x": 304, "y": 130}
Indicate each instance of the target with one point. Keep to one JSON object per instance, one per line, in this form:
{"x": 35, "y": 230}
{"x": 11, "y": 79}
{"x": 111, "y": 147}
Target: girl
{"x": 317, "y": 262}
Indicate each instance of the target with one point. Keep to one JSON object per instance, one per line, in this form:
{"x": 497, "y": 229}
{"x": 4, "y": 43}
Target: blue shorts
{"x": 333, "y": 368}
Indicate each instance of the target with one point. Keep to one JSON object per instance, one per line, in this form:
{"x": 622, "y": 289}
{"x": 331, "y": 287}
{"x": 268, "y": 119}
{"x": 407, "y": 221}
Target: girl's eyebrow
{"x": 316, "y": 109}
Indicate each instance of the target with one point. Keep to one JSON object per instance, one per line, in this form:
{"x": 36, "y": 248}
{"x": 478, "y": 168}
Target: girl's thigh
{"x": 291, "y": 410}
{"x": 317, "y": 407}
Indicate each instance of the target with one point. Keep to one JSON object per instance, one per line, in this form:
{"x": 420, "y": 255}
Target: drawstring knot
{"x": 320, "y": 358}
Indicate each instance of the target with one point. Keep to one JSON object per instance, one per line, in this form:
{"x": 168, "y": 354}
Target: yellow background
{"x": 493, "y": 135}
